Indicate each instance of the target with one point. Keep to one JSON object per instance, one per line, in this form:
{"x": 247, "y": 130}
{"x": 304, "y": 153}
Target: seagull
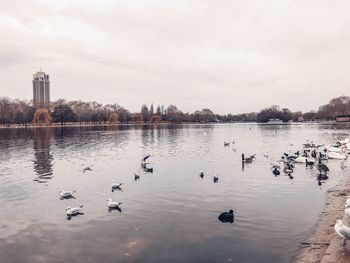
{"x": 201, "y": 174}
{"x": 116, "y": 186}
{"x": 87, "y": 168}
{"x": 227, "y": 217}
{"x": 216, "y": 178}
{"x": 67, "y": 194}
{"x": 347, "y": 200}
{"x": 347, "y": 210}
{"x": 144, "y": 159}
{"x": 112, "y": 204}
{"x": 73, "y": 211}
{"x": 342, "y": 230}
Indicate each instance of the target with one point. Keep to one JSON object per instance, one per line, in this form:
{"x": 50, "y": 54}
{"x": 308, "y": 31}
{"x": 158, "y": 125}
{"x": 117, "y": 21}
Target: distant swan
{"x": 73, "y": 211}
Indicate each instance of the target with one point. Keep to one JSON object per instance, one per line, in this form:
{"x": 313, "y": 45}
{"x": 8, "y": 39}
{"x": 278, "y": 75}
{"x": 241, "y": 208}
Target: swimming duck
{"x": 216, "y": 178}
{"x": 227, "y": 217}
{"x": 201, "y": 174}
{"x": 116, "y": 186}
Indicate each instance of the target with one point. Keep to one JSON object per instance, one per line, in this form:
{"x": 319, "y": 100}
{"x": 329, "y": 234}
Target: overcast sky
{"x": 227, "y": 55}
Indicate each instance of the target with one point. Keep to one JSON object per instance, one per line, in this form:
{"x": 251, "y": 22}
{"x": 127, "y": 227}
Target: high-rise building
{"x": 41, "y": 90}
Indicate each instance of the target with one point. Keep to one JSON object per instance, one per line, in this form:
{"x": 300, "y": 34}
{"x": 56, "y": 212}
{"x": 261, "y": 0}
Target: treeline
{"x": 62, "y": 111}
{"x": 335, "y": 107}
{"x": 15, "y": 111}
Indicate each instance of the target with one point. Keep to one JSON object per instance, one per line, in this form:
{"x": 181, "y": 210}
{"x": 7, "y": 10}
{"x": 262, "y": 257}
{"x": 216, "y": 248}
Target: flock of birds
{"x": 311, "y": 155}
{"x": 111, "y": 204}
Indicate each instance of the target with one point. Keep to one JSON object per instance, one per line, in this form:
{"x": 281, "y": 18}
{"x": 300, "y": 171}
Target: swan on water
{"x": 337, "y": 155}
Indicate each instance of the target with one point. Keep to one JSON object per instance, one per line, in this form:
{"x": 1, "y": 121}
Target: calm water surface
{"x": 167, "y": 216}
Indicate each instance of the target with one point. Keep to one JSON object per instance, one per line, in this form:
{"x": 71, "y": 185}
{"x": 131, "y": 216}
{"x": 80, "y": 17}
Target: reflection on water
{"x": 42, "y": 155}
{"x": 169, "y": 213}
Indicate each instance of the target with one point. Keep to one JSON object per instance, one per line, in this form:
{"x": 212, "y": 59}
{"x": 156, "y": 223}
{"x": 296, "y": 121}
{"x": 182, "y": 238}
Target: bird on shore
{"x": 347, "y": 210}
{"x": 201, "y": 174}
{"x": 116, "y": 186}
{"x": 347, "y": 202}
{"x": 342, "y": 230}
{"x": 112, "y": 204}
{"x": 227, "y": 217}
{"x": 216, "y": 178}
{"x": 67, "y": 194}
{"x": 73, "y": 211}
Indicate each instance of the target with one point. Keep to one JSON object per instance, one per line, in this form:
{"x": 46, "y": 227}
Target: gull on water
{"x": 73, "y": 211}
{"x": 112, "y": 204}
{"x": 67, "y": 194}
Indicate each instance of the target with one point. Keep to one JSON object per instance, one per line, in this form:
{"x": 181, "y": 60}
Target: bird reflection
{"x": 115, "y": 209}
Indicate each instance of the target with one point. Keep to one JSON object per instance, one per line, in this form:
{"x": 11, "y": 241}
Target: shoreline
{"x": 323, "y": 244}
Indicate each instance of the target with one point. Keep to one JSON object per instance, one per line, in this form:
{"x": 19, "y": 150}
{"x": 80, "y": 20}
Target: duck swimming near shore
{"x": 201, "y": 174}
{"x": 227, "y": 217}
{"x": 112, "y": 204}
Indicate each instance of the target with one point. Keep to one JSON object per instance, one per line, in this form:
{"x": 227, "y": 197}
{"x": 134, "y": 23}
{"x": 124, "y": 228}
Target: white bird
{"x": 347, "y": 210}
{"x": 113, "y": 204}
{"x": 67, "y": 194}
{"x": 347, "y": 203}
{"x": 342, "y": 230}
{"x": 72, "y": 211}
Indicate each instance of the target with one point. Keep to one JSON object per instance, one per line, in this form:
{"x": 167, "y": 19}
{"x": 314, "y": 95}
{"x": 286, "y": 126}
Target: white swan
{"x": 113, "y": 204}
{"x": 342, "y": 230}
{"x": 66, "y": 194}
{"x": 337, "y": 155}
{"x": 72, "y": 211}
{"x": 302, "y": 159}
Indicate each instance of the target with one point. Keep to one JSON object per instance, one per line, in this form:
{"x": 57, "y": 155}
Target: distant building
{"x": 343, "y": 118}
{"x": 41, "y": 90}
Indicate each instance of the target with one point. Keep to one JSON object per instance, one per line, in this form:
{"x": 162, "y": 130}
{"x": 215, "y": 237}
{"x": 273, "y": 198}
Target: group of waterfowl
{"x": 313, "y": 155}
{"x": 111, "y": 204}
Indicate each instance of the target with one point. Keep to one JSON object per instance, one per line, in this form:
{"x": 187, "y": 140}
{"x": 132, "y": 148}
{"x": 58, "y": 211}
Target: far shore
{"x": 78, "y": 124}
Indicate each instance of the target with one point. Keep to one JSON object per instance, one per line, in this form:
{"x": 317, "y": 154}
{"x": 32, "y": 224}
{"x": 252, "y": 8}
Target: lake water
{"x": 169, "y": 215}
